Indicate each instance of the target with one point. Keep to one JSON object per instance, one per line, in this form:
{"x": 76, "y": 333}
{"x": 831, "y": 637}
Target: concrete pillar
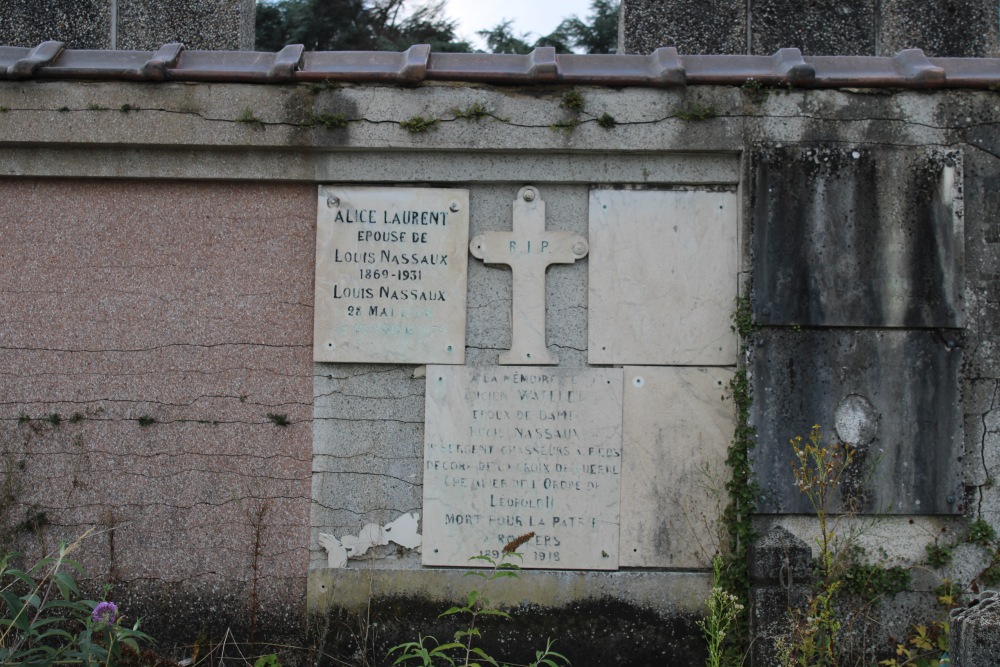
{"x": 975, "y": 633}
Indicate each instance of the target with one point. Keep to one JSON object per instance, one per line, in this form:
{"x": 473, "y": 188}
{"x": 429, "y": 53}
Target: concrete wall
{"x": 158, "y": 263}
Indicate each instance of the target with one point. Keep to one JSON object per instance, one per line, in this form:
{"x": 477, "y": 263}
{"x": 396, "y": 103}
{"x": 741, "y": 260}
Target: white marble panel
{"x": 509, "y": 450}
{"x": 391, "y": 266}
{"x": 663, "y": 277}
{"x": 678, "y": 423}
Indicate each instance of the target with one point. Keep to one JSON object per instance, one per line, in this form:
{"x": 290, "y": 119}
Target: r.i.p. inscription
{"x": 391, "y": 267}
{"x": 510, "y": 450}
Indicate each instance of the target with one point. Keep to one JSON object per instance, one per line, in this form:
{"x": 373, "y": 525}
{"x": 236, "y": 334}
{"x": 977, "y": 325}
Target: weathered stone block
{"x": 855, "y": 237}
{"x": 820, "y": 27}
{"x": 891, "y": 395}
{"x": 717, "y": 27}
{"x": 975, "y": 632}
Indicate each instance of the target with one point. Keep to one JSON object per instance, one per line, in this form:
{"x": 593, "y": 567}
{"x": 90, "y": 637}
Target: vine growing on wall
{"x": 737, "y": 518}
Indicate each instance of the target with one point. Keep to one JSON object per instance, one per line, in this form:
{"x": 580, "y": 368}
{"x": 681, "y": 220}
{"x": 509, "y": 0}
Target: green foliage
{"x": 333, "y": 121}
{"x": 96, "y": 107}
{"x": 737, "y": 517}
{"x": 925, "y": 647}
{"x": 46, "y": 622}
{"x": 461, "y": 650}
{"x": 607, "y": 121}
{"x": 743, "y": 318}
{"x": 598, "y": 34}
{"x": 278, "y": 419}
{"x": 991, "y": 575}
{"x": 981, "y": 532}
{"x": 697, "y": 112}
{"x": 572, "y": 100}
{"x": 757, "y": 91}
{"x": 871, "y": 582}
{"x": 474, "y": 111}
{"x": 818, "y": 469}
{"x": 62, "y": 109}
{"x": 938, "y": 555}
{"x": 247, "y": 116}
{"x": 54, "y": 418}
{"x": 724, "y": 609}
{"x": 4, "y": 109}
{"x": 419, "y": 124}
{"x": 76, "y": 417}
{"x": 565, "y": 125}
{"x": 146, "y": 420}
{"x": 125, "y": 108}
{"x": 501, "y": 39}
{"x": 355, "y": 25}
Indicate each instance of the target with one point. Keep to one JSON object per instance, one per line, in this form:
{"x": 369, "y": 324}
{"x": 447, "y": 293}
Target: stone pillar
{"x": 966, "y": 28}
{"x": 975, "y": 633}
{"x": 141, "y": 25}
{"x": 780, "y": 579}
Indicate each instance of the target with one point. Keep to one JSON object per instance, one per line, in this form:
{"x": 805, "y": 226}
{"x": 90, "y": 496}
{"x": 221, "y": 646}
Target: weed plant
{"x": 462, "y": 650}
{"x": 46, "y": 622}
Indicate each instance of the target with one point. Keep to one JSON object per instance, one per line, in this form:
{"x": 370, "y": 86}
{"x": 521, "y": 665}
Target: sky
{"x": 538, "y": 17}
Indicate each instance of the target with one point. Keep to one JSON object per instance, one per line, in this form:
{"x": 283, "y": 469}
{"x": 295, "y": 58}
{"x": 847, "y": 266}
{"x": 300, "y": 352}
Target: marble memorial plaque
{"x": 678, "y": 423}
{"x": 391, "y": 268}
{"x": 663, "y": 273}
{"x": 508, "y": 450}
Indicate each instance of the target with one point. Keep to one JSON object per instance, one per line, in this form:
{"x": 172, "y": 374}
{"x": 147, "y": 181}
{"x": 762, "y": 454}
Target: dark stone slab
{"x": 198, "y": 24}
{"x": 960, "y": 29}
{"x": 702, "y": 27}
{"x": 857, "y": 237}
{"x": 893, "y": 395}
{"x": 81, "y": 24}
{"x": 780, "y": 557}
{"x": 817, "y": 28}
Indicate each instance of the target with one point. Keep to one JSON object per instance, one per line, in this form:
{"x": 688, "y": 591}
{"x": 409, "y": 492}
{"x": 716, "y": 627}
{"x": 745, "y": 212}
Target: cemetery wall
{"x": 159, "y": 267}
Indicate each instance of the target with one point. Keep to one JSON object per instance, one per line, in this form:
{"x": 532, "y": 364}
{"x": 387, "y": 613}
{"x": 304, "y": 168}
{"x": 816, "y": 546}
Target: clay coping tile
{"x": 662, "y": 68}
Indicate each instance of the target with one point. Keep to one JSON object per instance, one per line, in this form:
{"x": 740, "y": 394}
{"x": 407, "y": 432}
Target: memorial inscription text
{"x": 512, "y": 450}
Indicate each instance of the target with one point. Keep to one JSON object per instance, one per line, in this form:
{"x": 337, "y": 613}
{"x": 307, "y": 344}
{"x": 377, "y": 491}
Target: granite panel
{"x": 966, "y": 29}
{"x": 891, "y": 395}
{"x": 217, "y": 25}
{"x": 817, "y": 28}
{"x": 81, "y": 24}
{"x": 154, "y": 337}
{"x": 715, "y": 27}
{"x": 858, "y": 237}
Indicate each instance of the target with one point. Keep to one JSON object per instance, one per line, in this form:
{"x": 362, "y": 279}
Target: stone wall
{"x": 158, "y": 297}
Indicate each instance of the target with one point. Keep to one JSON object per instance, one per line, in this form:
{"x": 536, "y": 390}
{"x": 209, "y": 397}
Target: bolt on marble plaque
{"x": 678, "y": 422}
{"x": 663, "y": 277}
{"x": 513, "y": 449}
{"x": 391, "y": 266}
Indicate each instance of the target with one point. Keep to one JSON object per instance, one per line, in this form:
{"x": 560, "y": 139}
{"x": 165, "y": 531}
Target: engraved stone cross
{"x": 529, "y": 250}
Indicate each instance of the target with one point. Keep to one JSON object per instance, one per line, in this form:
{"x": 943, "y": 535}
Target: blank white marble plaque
{"x": 678, "y": 423}
{"x": 663, "y": 273}
{"x": 508, "y": 450}
{"x": 391, "y": 266}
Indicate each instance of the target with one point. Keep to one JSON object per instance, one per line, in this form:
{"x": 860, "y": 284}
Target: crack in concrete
{"x": 982, "y": 448}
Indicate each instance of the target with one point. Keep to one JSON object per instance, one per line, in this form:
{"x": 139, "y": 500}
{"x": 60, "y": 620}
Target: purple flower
{"x": 105, "y": 612}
